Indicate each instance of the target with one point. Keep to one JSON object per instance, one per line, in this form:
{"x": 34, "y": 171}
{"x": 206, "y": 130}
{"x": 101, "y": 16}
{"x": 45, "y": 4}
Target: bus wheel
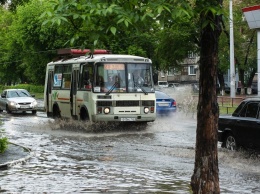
{"x": 84, "y": 114}
{"x": 56, "y": 112}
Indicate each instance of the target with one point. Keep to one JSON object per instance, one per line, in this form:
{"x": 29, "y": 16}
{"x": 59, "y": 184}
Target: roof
{"x": 106, "y": 58}
{"x": 252, "y": 15}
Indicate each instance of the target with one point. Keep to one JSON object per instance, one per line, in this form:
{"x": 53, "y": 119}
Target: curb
{"x": 17, "y": 161}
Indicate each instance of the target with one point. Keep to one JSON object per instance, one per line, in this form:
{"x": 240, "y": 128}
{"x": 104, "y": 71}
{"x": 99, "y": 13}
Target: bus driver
{"x": 137, "y": 77}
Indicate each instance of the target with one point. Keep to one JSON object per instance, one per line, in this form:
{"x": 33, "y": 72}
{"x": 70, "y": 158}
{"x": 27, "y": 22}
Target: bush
{"x": 3, "y": 144}
{"x": 30, "y": 88}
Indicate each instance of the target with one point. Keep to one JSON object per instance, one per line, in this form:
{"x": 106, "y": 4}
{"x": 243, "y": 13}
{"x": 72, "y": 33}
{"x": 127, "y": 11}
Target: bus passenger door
{"x": 49, "y": 93}
{"x": 73, "y": 94}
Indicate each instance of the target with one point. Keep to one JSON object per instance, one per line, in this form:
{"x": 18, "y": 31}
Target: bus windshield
{"x": 123, "y": 77}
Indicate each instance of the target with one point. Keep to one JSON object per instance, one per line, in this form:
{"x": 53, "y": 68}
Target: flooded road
{"x": 74, "y": 157}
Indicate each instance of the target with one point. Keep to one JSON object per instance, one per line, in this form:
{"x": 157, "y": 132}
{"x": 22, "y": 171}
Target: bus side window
{"x": 66, "y": 79}
{"x": 86, "y": 79}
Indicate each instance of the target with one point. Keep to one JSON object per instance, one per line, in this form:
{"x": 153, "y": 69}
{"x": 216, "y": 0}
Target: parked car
{"x": 164, "y": 103}
{"x": 16, "y": 100}
{"x": 173, "y": 85}
{"x": 163, "y": 84}
{"x": 242, "y": 128}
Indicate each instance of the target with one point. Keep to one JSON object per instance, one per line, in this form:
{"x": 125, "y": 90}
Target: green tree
{"x": 8, "y": 70}
{"x": 13, "y": 4}
{"x": 244, "y": 44}
{"x": 28, "y": 46}
{"x": 98, "y": 19}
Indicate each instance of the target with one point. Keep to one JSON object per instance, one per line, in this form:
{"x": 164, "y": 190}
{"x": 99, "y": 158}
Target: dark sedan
{"x": 242, "y": 128}
{"x": 164, "y": 103}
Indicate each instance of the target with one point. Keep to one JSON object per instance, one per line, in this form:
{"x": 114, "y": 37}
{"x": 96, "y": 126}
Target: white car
{"x": 163, "y": 84}
{"x": 17, "y": 100}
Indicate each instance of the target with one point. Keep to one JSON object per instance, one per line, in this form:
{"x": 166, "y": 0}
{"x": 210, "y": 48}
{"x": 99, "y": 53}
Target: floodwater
{"x": 75, "y": 157}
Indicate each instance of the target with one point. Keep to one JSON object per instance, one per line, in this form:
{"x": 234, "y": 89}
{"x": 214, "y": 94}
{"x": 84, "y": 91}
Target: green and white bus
{"x": 100, "y": 87}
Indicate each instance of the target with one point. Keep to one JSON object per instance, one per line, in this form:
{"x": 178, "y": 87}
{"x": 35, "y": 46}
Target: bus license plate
{"x": 127, "y": 119}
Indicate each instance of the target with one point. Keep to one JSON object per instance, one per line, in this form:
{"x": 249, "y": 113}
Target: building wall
{"x": 189, "y": 72}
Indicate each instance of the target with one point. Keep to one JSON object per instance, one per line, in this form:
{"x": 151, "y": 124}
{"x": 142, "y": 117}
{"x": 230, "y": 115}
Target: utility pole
{"x": 232, "y": 57}
{"x": 252, "y": 15}
{"x": 258, "y": 62}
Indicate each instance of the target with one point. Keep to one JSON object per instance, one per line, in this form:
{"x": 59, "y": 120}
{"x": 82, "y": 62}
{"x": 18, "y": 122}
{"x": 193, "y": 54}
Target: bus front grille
{"x": 127, "y": 103}
{"x": 104, "y": 103}
{"x": 148, "y": 103}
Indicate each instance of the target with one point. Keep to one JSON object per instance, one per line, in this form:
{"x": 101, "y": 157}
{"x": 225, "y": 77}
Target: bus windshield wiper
{"x": 136, "y": 85}
{"x": 140, "y": 87}
{"x": 112, "y": 88}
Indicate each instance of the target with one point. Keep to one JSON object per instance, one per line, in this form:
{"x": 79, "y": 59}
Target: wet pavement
{"x": 13, "y": 155}
{"x": 75, "y": 157}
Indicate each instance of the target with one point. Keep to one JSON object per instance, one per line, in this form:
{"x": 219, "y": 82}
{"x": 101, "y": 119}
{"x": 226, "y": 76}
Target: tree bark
{"x": 205, "y": 178}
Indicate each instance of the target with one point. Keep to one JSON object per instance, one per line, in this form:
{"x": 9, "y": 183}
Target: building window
{"x": 192, "y": 70}
{"x": 174, "y": 71}
{"x": 162, "y": 74}
{"x": 191, "y": 54}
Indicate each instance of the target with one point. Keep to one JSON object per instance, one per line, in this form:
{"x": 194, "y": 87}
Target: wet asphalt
{"x": 75, "y": 157}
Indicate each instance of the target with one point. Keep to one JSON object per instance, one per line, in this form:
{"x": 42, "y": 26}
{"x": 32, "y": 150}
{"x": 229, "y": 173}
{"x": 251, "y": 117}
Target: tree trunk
{"x": 205, "y": 178}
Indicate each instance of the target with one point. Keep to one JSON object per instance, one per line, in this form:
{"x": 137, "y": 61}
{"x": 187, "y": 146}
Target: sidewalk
{"x": 14, "y": 154}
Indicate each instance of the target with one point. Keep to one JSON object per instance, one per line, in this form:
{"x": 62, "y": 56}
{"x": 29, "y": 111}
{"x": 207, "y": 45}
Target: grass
{"x": 38, "y": 95}
{"x": 226, "y": 109}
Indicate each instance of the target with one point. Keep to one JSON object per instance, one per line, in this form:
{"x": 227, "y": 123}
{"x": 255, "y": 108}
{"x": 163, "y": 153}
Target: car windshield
{"x": 160, "y": 95}
{"x": 17, "y": 93}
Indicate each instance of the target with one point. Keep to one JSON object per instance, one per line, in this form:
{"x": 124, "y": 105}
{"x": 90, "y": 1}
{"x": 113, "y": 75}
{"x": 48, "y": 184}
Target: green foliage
{"x": 245, "y": 51}
{"x": 29, "y": 87}
{"x": 3, "y": 144}
{"x": 26, "y": 46}
{"x": 3, "y": 141}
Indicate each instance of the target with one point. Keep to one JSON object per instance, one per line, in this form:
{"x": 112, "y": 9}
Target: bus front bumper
{"x": 124, "y": 118}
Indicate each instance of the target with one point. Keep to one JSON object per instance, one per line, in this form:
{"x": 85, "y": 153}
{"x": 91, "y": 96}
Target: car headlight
{"x": 12, "y": 103}
{"x": 34, "y": 103}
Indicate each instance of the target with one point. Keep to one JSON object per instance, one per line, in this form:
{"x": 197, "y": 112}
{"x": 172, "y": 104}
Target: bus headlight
{"x": 106, "y": 110}
{"x": 146, "y": 110}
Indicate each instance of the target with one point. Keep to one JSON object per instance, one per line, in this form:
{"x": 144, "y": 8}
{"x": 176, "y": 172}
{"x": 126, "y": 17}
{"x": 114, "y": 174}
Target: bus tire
{"x": 84, "y": 114}
{"x": 56, "y": 112}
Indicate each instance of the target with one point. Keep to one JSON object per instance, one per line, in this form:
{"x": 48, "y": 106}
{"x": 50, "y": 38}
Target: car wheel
{"x": 1, "y": 110}
{"x": 34, "y": 112}
{"x": 8, "y": 110}
{"x": 230, "y": 142}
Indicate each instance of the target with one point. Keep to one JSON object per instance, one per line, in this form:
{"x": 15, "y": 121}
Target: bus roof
{"x": 81, "y": 52}
{"x": 104, "y": 58}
